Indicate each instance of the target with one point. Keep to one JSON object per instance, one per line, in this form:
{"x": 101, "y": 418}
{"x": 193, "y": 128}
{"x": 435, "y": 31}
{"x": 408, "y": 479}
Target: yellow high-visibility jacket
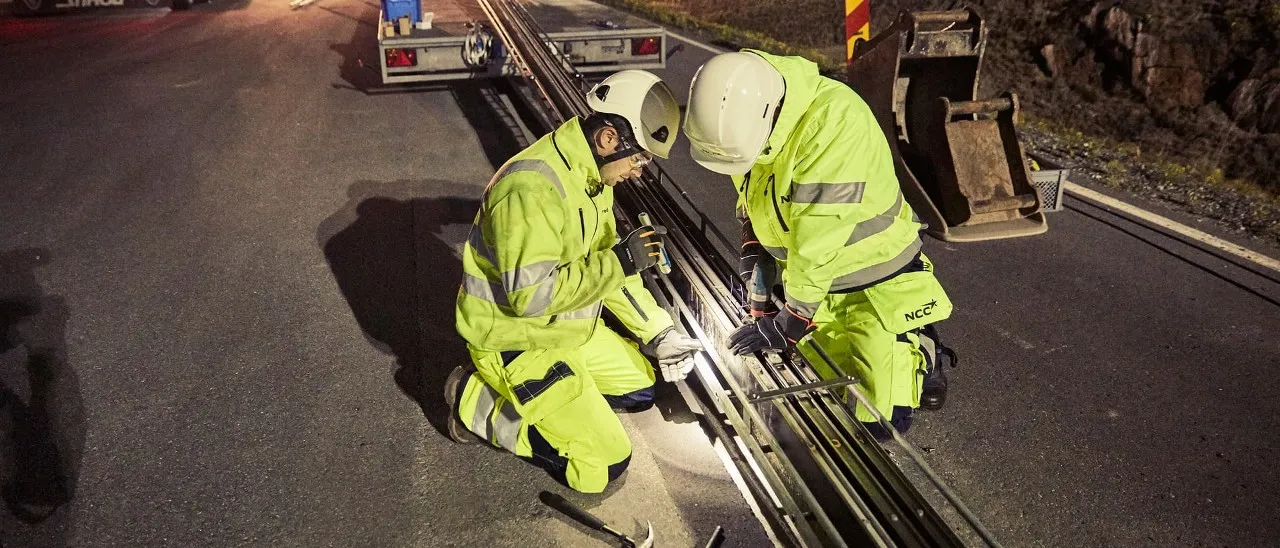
{"x": 538, "y": 264}
{"x": 823, "y": 198}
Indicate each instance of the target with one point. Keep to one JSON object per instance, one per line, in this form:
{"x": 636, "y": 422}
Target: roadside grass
{"x": 667, "y": 15}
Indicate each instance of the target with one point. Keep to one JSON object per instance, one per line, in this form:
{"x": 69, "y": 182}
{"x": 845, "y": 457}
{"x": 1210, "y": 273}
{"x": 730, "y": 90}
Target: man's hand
{"x": 641, "y": 249}
{"x": 674, "y": 352}
{"x": 770, "y": 333}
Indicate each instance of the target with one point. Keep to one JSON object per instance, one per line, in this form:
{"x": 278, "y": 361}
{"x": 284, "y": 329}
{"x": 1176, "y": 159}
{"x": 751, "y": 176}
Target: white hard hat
{"x": 646, "y": 102}
{"x": 732, "y": 101}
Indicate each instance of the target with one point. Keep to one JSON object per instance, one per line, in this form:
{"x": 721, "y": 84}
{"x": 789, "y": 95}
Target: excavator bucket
{"x": 958, "y": 158}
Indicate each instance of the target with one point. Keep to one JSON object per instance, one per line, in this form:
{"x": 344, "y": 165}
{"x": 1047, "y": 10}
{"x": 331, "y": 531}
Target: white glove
{"x": 674, "y": 352}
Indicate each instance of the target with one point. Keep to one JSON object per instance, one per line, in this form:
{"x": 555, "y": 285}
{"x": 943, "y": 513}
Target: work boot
{"x": 452, "y": 391}
{"x": 934, "y": 392}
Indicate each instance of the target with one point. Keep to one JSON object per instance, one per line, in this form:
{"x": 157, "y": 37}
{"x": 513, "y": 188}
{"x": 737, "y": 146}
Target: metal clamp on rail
{"x": 801, "y": 389}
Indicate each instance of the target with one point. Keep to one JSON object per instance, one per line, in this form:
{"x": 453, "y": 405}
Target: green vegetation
{"x": 670, "y": 16}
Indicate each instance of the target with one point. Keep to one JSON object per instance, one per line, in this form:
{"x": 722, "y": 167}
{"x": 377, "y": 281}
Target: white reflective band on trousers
{"x": 495, "y": 419}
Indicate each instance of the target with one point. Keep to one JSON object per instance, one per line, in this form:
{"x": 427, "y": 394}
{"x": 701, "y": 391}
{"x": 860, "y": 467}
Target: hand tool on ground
{"x": 717, "y": 538}
{"x": 582, "y": 516}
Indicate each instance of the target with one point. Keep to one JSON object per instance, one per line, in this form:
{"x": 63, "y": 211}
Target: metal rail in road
{"x": 818, "y": 477}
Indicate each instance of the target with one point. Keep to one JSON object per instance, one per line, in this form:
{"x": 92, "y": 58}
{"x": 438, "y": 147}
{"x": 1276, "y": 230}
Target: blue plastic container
{"x": 395, "y": 9}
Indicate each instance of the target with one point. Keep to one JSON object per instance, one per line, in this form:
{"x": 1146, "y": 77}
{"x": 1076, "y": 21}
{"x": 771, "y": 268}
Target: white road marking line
{"x": 707, "y": 47}
{"x": 1016, "y": 339}
{"x": 1205, "y": 238}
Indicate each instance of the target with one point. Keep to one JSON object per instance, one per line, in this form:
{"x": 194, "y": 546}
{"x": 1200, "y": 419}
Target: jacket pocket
{"x": 909, "y": 301}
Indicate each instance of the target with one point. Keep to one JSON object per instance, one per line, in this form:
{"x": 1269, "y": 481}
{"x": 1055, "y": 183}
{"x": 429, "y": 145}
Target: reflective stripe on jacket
{"x": 538, "y": 265}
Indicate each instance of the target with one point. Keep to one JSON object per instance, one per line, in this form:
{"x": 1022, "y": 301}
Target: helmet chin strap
{"x": 625, "y": 150}
{"x": 626, "y": 146}
{"x": 626, "y": 142}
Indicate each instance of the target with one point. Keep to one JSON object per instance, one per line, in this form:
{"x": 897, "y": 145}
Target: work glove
{"x": 674, "y": 352}
{"x": 771, "y": 333}
{"x": 641, "y": 249}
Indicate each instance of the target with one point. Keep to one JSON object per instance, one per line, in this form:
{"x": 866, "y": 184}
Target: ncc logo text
{"x": 922, "y": 311}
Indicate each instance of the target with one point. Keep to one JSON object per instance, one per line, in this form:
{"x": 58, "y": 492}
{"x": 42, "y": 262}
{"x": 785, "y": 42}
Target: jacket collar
{"x": 575, "y": 153}
{"x": 802, "y": 78}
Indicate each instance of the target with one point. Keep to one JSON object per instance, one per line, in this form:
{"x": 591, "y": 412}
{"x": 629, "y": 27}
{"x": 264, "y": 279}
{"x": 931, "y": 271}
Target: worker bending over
{"x": 823, "y": 215}
{"x": 542, "y": 261}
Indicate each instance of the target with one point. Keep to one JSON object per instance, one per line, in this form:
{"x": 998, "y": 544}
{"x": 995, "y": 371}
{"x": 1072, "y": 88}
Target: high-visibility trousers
{"x": 555, "y": 407}
{"x": 889, "y": 362}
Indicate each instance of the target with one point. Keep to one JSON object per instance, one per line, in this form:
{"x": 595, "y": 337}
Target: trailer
{"x": 47, "y": 7}
{"x": 454, "y": 40}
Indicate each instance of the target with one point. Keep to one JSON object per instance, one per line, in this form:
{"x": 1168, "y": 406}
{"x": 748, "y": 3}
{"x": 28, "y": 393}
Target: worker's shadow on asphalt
{"x": 42, "y": 418}
{"x": 393, "y": 250}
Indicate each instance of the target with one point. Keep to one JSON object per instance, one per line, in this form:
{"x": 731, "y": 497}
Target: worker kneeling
{"x": 822, "y": 215}
{"x": 542, "y": 261}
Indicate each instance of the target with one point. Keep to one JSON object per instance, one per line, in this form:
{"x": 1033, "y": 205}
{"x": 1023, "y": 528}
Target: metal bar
{"x": 766, "y": 498}
{"x": 899, "y": 506}
{"x": 954, "y": 16}
{"x": 982, "y": 106}
{"x": 800, "y": 389}
{"x": 825, "y": 461}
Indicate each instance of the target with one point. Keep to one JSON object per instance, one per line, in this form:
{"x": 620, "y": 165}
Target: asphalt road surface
{"x": 227, "y": 278}
{"x": 226, "y": 284}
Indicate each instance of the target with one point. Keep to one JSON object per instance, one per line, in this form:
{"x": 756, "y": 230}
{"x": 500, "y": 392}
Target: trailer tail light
{"x": 646, "y": 46}
{"x": 397, "y": 57}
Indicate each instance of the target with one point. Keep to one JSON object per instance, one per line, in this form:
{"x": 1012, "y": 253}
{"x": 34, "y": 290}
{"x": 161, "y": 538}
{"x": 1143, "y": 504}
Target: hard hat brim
{"x": 719, "y": 164}
{"x": 645, "y": 101}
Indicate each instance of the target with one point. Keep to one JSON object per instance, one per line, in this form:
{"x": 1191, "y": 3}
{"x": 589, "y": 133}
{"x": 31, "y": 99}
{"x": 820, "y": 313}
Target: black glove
{"x": 770, "y": 333}
{"x": 641, "y": 249}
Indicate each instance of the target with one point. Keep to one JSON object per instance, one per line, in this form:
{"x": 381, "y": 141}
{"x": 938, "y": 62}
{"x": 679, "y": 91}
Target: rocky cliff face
{"x": 1165, "y": 73}
{"x": 1169, "y": 75}
{"x": 1255, "y": 103}
{"x": 1198, "y": 81}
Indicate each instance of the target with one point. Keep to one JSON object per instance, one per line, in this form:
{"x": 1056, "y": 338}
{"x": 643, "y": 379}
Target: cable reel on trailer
{"x": 477, "y": 49}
